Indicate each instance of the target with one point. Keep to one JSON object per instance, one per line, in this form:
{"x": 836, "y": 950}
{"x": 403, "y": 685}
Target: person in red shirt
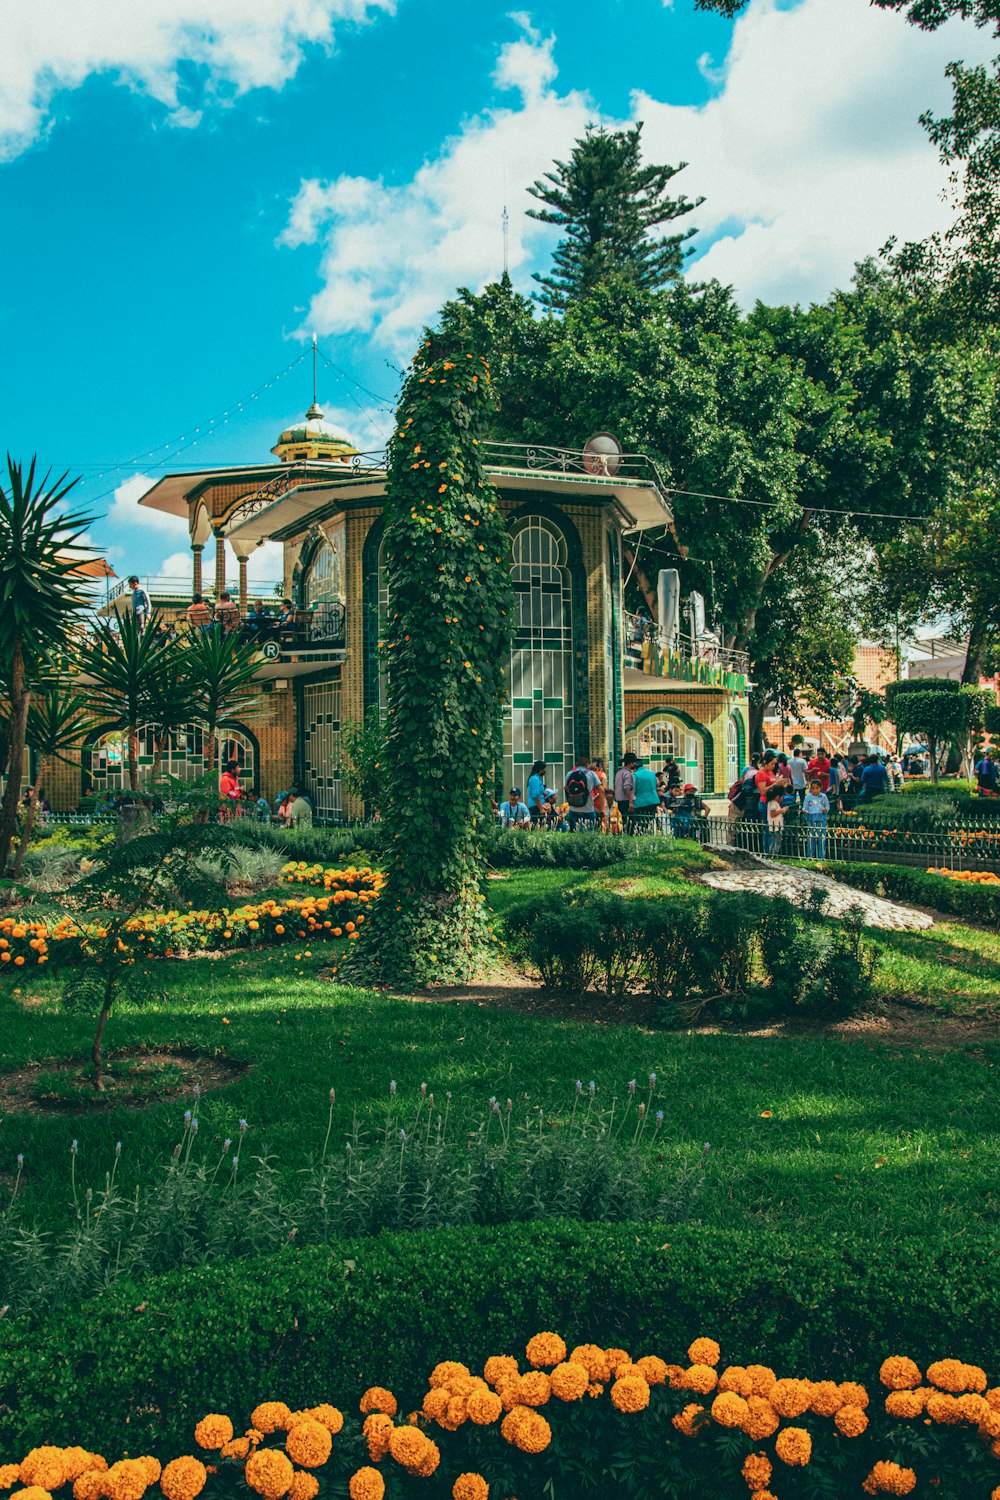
{"x": 819, "y": 768}
{"x": 229, "y": 791}
{"x": 764, "y": 778}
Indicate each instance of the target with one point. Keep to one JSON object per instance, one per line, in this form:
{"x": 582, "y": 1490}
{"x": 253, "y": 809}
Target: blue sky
{"x": 195, "y": 187}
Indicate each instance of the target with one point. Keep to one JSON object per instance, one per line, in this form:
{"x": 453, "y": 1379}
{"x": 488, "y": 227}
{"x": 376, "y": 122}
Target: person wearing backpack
{"x": 646, "y": 800}
{"x": 580, "y": 785}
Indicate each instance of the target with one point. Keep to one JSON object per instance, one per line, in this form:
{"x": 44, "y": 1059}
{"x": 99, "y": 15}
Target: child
{"x": 816, "y": 810}
{"x": 775, "y": 817}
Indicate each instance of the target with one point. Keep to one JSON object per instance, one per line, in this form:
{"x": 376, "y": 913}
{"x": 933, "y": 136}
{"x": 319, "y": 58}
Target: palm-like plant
{"x": 125, "y": 668}
{"x": 221, "y": 667}
{"x": 58, "y": 721}
{"x": 174, "y": 702}
{"x": 40, "y": 603}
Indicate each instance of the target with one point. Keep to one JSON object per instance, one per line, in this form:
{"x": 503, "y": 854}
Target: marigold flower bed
{"x": 337, "y": 913}
{"x": 788, "y": 1424}
{"x": 968, "y": 877}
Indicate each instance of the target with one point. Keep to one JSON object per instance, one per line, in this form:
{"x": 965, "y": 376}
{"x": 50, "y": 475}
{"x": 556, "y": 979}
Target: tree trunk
{"x": 932, "y": 745}
{"x": 160, "y": 743}
{"x": 648, "y": 593}
{"x": 133, "y": 757}
{"x": 210, "y": 727}
{"x": 756, "y": 717}
{"x": 96, "y": 1051}
{"x": 20, "y": 697}
{"x": 973, "y": 668}
{"x": 29, "y": 817}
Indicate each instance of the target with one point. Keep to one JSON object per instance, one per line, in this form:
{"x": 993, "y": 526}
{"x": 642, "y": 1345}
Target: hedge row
{"x": 976, "y": 903}
{"x": 138, "y": 1366}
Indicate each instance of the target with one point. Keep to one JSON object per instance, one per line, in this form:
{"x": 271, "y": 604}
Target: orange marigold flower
{"x": 366, "y": 1484}
{"x": 736, "y": 1378}
{"x": 756, "y": 1470}
{"x": 447, "y": 1371}
{"x": 212, "y": 1431}
{"x": 616, "y": 1358}
{"x": 378, "y": 1429}
{"x": 652, "y": 1369}
{"x": 10, "y": 1474}
{"x": 763, "y": 1495}
{"x": 501, "y": 1367}
{"x": 88, "y": 1485}
{"x": 470, "y": 1487}
{"x": 761, "y": 1419}
{"x": 534, "y": 1388}
{"x": 952, "y": 1375}
{"x": 730, "y": 1409}
{"x": 989, "y": 1427}
{"x": 483, "y": 1407}
{"x": 545, "y": 1349}
{"x": 43, "y": 1468}
{"x": 33, "y": 1491}
{"x": 377, "y": 1398}
{"x": 408, "y": 1445}
{"x": 944, "y": 1409}
{"x": 762, "y": 1378}
{"x": 973, "y": 1408}
{"x": 271, "y": 1416}
{"x": 569, "y": 1380}
{"x": 152, "y": 1466}
{"x": 331, "y": 1416}
{"x": 630, "y": 1393}
{"x": 793, "y": 1446}
{"x": 432, "y": 1457}
{"x": 899, "y": 1373}
{"x": 269, "y": 1472}
{"x": 825, "y": 1399}
{"x": 238, "y": 1448}
{"x": 704, "y": 1352}
{"x": 595, "y": 1389}
{"x": 700, "y": 1378}
{"x": 690, "y": 1419}
{"x": 308, "y": 1443}
{"x": 509, "y": 1391}
{"x": 850, "y": 1421}
{"x": 993, "y": 1397}
{"x": 454, "y": 1415}
{"x": 675, "y": 1377}
{"x": 790, "y": 1398}
{"x": 125, "y": 1480}
{"x": 184, "y": 1478}
{"x": 906, "y": 1403}
{"x": 889, "y": 1479}
{"x": 853, "y": 1394}
{"x": 526, "y": 1429}
{"x": 77, "y": 1461}
{"x": 435, "y": 1403}
{"x": 594, "y": 1361}
{"x": 303, "y": 1487}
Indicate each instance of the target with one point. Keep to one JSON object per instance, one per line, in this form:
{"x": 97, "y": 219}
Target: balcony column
{"x": 220, "y": 563}
{"x": 243, "y": 550}
{"x": 196, "y": 550}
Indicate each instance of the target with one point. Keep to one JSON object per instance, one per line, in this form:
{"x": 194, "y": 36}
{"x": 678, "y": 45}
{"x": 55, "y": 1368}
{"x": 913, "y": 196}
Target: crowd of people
{"x": 291, "y": 807}
{"x": 259, "y": 624}
{"x": 636, "y": 800}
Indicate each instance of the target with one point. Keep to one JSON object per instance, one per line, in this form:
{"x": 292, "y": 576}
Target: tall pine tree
{"x": 608, "y": 202}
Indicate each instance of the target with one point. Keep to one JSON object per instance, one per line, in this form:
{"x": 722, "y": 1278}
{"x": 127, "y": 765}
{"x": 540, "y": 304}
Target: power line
{"x": 820, "y": 510}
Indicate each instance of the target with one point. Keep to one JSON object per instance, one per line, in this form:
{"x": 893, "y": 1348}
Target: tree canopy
{"x": 927, "y": 14}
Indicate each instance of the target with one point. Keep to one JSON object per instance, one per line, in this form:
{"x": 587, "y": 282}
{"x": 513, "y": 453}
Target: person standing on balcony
{"x": 142, "y": 605}
{"x": 199, "y": 614}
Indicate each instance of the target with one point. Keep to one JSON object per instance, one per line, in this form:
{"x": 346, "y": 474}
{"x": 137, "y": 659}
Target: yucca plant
{"x": 58, "y": 721}
{"x": 41, "y": 602}
{"x": 125, "y": 668}
{"x": 221, "y": 668}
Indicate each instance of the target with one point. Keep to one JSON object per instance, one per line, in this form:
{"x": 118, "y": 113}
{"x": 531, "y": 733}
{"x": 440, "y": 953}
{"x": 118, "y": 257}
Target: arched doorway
{"x": 105, "y": 759}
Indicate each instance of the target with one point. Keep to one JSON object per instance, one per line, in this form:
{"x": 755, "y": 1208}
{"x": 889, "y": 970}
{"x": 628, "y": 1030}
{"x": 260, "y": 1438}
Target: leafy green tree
{"x": 934, "y": 709}
{"x": 364, "y": 751}
{"x": 220, "y": 666}
{"x": 58, "y": 722}
{"x": 41, "y": 603}
{"x": 123, "y": 669}
{"x": 608, "y": 202}
{"x": 447, "y": 644}
{"x": 927, "y": 14}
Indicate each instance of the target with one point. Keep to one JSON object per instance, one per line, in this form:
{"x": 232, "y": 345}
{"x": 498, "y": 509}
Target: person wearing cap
{"x": 513, "y": 812}
{"x": 687, "y": 811}
{"x": 625, "y": 787}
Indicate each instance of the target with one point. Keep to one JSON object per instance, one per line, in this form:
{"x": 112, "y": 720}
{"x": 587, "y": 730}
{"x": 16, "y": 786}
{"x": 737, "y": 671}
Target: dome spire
{"x": 314, "y": 414}
{"x": 313, "y": 440}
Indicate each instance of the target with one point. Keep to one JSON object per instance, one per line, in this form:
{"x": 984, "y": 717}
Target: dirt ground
{"x": 18, "y": 1096}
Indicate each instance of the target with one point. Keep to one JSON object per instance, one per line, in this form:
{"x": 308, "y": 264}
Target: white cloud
{"x": 810, "y": 155}
{"x": 49, "y": 45}
{"x": 391, "y": 254}
{"x": 125, "y": 510}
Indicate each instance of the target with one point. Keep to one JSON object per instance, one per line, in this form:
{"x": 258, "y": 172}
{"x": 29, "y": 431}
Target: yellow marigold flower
{"x": 331, "y": 1416}
{"x": 271, "y": 1416}
{"x": 762, "y": 1378}
{"x": 534, "y": 1388}
{"x": 595, "y": 1389}
{"x": 850, "y": 1421}
{"x": 545, "y": 1349}
{"x": 408, "y": 1445}
{"x": 704, "y": 1352}
{"x": 125, "y": 1480}
{"x": 32, "y": 1492}
{"x": 270, "y": 1473}
{"x": 616, "y": 1358}
{"x": 427, "y": 1465}
{"x": 152, "y": 1466}
{"x": 453, "y": 1415}
{"x": 952, "y": 1375}
{"x": 212, "y": 1431}
{"x": 756, "y": 1470}
{"x": 989, "y": 1427}
{"x": 730, "y": 1409}
{"x": 700, "y": 1378}
{"x": 484, "y": 1407}
{"x": 736, "y": 1378}
{"x": 185, "y": 1478}
{"x": 569, "y": 1380}
{"x": 825, "y": 1398}
{"x": 907, "y": 1403}
{"x": 470, "y": 1487}
{"x": 853, "y": 1394}
{"x": 77, "y": 1461}
{"x": 238, "y": 1448}
{"x": 761, "y": 1419}
{"x": 501, "y": 1367}
{"x": 88, "y": 1485}
{"x": 366, "y": 1484}
{"x": 594, "y": 1361}
{"x": 889, "y": 1479}
{"x": 526, "y": 1429}
{"x": 630, "y": 1393}
{"x": 308, "y": 1443}
{"x": 377, "y": 1398}
{"x": 447, "y": 1371}
{"x": 378, "y": 1429}
{"x": 44, "y": 1468}
{"x": 509, "y": 1392}
{"x": 790, "y": 1398}
{"x": 993, "y": 1397}
{"x": 793, "y": 1446}
{"x": 435, "y": 1403}
{"x": 652, "y": 1369}
{"x": 899, "y": 1373}
{"x": 10, "y": 1474}
{"x": 303, "y": 1486}
{"x": 944, "y": 1409}
{"x": 689, "y": 1420}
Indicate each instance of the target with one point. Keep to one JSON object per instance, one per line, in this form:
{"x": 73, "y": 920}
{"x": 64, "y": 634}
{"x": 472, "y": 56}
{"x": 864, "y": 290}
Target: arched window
{"x": 664, "y": 735}
{"x": 539, "y": 720}
{"x": 324, "y": 577}
{"x": 182, "y": 755}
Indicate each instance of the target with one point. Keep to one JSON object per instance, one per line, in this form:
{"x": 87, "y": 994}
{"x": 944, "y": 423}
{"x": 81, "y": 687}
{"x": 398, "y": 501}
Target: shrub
{"x": 507, "y": 849}
{"x": 975, "y": 903}
{"x": 326, "y": 845}
{"x": 141, "y": 1365}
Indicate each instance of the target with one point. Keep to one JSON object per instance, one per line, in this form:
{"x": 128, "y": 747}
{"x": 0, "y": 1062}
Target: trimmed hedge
{"x": 540, "y": 849}
{"x": 138, "y": 1366}
{"x": 975, "y": 903}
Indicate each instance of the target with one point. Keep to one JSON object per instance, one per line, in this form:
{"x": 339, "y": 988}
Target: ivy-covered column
{"x": 447, "y": 644}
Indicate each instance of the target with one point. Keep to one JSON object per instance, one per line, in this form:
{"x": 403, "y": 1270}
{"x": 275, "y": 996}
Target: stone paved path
{"x": 768, "y": 878}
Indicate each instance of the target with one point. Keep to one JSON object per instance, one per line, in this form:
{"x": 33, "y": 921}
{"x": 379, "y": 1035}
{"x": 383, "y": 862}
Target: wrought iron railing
{"x": 956, "y": 848}
{"x": 691, "y": 659}
{"x": 163, "y": 587}
{"x": 636, "y": 467}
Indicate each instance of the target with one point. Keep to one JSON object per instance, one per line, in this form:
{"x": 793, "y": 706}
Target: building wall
{"x": 708, "y": 709}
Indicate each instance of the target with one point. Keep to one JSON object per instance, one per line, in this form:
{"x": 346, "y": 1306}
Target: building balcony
{"x": 702, "y": 661}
